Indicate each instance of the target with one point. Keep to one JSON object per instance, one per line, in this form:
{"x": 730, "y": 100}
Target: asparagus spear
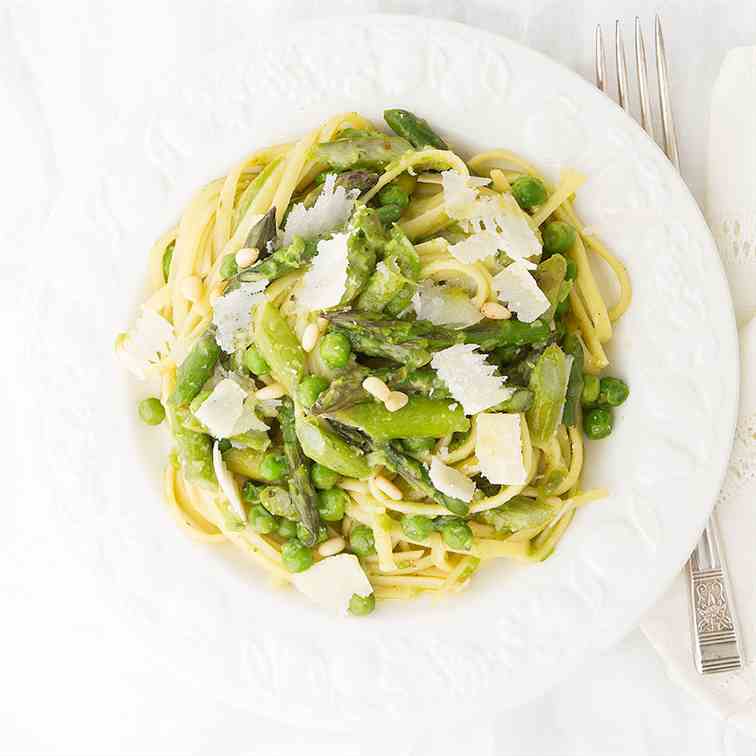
{"x": 520, "y": 401}
{"x": 519, "y": 513}
{"x": 281, "y": 262}
{"x": 195, "y": 450}
{"x": 262, "y": 232}
{"x": 550, "y": 277}
{"x": 343, "y": 391}
{"x": 322, "y": 445}
{"x": 301, "y": 490}
{"x": 353, "y": 436}
{"x": 415, "y": 130}
{"x": 393, "y": 331}
{"x": 361, "y": 264}
{"x": 419, "y": 417}
{"x": 371, "y": 153}
{"x": 413, "y": 353}
{"x": 572, "y": 346}
{"x": 196, "y": 368}
{"x": 416, "y": 475}
{"x": 548, "y": 382}
{"x": 491, "y": 334}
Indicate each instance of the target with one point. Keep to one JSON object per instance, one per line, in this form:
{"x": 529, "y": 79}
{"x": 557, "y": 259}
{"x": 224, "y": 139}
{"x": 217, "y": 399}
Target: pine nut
{"x": 495, "y": 311}
{"x": 332, "y": 546}
{"x": 246, "y": 256}
{"x": 377, "y": 388}
{"x": 387, "y": 487}
{"x": 395, "y": 401}
{"x": 499, "y": 181}
{"x": 273, "y": 391}
{"x": 191, "y": 288}
{"x": 310, "y": 337}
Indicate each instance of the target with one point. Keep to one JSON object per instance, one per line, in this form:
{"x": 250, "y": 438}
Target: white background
{"x": 72, "y": 680}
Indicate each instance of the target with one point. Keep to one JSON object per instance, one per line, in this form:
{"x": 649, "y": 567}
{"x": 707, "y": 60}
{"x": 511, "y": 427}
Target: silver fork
{"x": 713, "y": 621}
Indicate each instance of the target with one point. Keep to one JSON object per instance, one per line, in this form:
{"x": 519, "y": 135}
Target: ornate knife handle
{"x": 714, "y": 625}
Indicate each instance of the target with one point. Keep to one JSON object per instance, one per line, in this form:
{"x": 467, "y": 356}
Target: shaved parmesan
{"x": 333, "y": 581}
{"x": 232, "y": 315}
{"x": 324, "y": 284}
{"x": 470, "y": 378}
{"x": 476, "y": 247}
{"x": 494, "y": 222}
{"x": 444, "y": 305}
{"x": 227, "y": 484}
{"x": 331, "y": 211}
{"x": 450, "y": 481}
{"x": 140, "y": 348}
{"x": 498, "y": 447}
{"x": 224, "y": 413}
{"x": 517, "y": 288}
{"x": 459, "y": 196}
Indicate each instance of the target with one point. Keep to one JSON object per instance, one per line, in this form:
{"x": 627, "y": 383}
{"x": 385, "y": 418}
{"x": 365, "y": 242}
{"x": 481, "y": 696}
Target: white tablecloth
{"x": 73, "y": 681}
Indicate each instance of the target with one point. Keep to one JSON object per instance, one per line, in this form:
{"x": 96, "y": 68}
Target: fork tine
{"x": 599, "y": 58}
{"x": 619, "y": 54}
{"x": 662, "y": 73}
{"x": 647, "y": 119}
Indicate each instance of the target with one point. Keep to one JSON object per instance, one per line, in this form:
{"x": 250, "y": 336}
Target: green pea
{"x": 255, "y": 362}
{"x": 361, "y": 541}
{"x": 591, "y": 388}
{"x": 389, "y": 214}
{"x": 457, "y": 534}
{"x": 167, "y": 258}
{"x": 310, "y": 388}
{"x": 391, "y": 194}
{"x": 613, "y": 392}
{"x": 335, "y": 349}
{"x": 260, "y": 520}
{"x": 418, "y": 445}
{"x": 251, "y": 492}
{"x": 229, "y": 268}
{"x": 528, "y": 192}
{"x": 323, "y": 477}
{"x": 558, "y": 237}
{"x": 151, "y": 411}
{"x": 304, "y": 534}
{"x": 417, "y": 527}
{"x": 273, "y": 466}
{"x": 360, "y": 606}
{"x": 224, "y": 445}
{"x": 286, "y": 528}
{"x": 571, "y": 272}
{"x": 332, "y": 504}
{"x": 598, "y": 422}
{"x": 296, "y": 556}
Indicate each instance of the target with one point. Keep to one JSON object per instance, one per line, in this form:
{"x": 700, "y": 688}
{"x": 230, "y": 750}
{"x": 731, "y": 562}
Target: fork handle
{"x": 715, "y": 635}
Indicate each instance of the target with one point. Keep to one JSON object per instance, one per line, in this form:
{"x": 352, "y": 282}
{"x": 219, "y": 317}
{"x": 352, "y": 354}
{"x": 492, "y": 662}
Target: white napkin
{"x": 731, "y": 211}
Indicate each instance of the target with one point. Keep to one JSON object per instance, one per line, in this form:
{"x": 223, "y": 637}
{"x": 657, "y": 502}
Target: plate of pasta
{"x": 419, "y": 382}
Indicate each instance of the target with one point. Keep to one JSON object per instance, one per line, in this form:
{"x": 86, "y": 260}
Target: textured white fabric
{"x": 731, "y": 185}
{"x": 731, "y": 211}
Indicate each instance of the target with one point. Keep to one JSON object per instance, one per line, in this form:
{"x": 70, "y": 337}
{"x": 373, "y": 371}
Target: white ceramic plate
{"x": 516, "y": 630}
